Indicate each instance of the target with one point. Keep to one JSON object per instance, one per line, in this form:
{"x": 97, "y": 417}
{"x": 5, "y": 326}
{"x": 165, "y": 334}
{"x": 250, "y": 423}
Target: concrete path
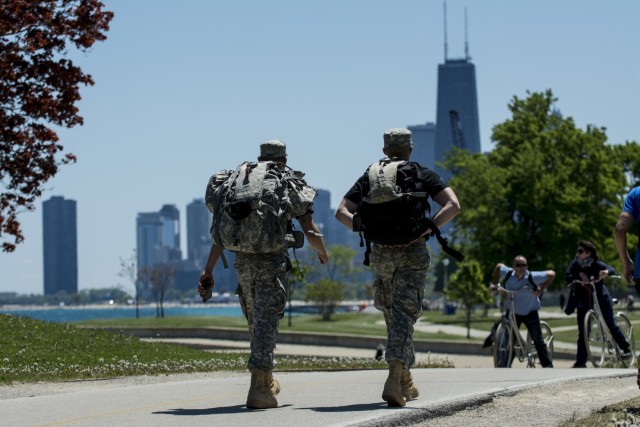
{"x": 307, "y": 399}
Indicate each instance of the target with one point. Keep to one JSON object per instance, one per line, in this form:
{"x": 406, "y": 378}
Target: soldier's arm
{"x": 345, "y": 212}
{"x": 450, "y": 206}
{"x": 314, "y": 237}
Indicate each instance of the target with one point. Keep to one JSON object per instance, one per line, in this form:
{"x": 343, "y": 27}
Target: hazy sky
{"x": 186, "y": 88}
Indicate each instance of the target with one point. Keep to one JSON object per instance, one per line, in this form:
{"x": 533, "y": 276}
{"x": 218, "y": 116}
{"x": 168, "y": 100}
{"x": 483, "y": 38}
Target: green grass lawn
{"x": 33, "y": 350}
{"x": 371, "y": 324}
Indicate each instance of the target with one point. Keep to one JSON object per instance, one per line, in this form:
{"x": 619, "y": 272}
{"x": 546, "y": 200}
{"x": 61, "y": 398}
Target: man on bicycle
{"x": 526, "y": 303}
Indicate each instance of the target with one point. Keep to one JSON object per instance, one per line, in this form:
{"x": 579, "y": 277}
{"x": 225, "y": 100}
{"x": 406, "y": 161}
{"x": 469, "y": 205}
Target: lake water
{"x": 75, "y": 314}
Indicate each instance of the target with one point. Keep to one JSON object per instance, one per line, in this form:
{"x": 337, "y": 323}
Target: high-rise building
{"x": 198, "y": 232}
{"x": 457, "y": 123}
{"x": 60, "y": 245}
{"x": 457, "y": 110}
{"x": 149, "y": 239}
{"x": 322, "y": 214}
{"x": 158, "y": 237}
{"x": 170, "y": 217}
{"x": 424, "y": 141}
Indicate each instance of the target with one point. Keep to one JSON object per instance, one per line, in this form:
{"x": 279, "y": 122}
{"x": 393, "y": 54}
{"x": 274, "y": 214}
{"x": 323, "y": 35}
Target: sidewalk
{"x": 307, "y": 399}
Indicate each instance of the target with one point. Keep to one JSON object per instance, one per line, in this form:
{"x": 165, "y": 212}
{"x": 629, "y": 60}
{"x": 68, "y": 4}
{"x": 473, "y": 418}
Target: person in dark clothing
{"x": 586, "y": 267}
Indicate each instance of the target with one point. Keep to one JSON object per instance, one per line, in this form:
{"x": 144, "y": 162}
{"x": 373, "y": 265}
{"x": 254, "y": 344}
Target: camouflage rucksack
{"x": 395, "y": 210}
{"x": 392, "y": 211}
{"x": 250, "y": 208}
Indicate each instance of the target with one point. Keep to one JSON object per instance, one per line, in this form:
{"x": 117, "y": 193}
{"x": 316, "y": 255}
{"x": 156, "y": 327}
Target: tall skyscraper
{"x": 149, "y": 239}
{"x": 198, "y": 232}
{"x": 322, "y": 214}
{"x": 60, "y": 245}
{"x": 158, "y": 237}
{"x": 170, "y": 217}
{"x": 457, "y": 123}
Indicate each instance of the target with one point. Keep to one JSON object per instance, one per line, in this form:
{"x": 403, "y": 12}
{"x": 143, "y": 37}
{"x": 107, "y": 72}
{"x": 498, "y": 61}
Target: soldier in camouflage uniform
{"x": 400, "y": 270}
{"x": 263, "y": 283}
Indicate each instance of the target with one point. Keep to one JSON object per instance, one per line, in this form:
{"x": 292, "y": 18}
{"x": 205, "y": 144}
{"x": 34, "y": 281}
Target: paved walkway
{"x": 307, "y": 398}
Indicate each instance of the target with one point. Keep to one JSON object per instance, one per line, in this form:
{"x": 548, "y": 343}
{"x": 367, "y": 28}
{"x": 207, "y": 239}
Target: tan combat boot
{"x": 409, "y": 389}
{"x": 392, "y": 392}
{"x": 259, "y": 397}
{"x": 271, "y": 384}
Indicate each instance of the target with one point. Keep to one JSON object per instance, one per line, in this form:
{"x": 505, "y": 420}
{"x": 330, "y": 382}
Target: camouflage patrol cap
{"x": 397, "y": 138}
{"x": 273, "y": 149}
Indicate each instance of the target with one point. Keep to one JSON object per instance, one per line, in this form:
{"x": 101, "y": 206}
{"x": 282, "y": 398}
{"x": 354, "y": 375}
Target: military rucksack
{"x": 395, "y": 210}
{"x": 391, "y": 211}
{"x": 250, "y": 208}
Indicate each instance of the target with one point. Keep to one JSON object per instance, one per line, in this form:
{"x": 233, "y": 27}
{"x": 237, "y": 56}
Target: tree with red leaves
{"x": 39, "y": 87}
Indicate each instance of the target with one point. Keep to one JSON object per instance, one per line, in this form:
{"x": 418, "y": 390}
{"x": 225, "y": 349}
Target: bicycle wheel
{"x": 503, "y": 347}
{"x": 594, "y": 339}
{"x": 547, "y": 337}
{"x": 627, "y": 329}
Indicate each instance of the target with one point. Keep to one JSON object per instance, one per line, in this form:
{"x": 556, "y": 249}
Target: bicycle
{"x": 598, "y": 339}
{"x": 509, "y": 343}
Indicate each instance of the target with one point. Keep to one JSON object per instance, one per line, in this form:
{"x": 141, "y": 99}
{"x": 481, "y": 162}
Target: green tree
{"x": 546, "y": 185}
{"x": 39, "y": 89}
{"x": 340, "y": 271}
{"x": 327, "y": 294}
{"x": 466, "y": 286}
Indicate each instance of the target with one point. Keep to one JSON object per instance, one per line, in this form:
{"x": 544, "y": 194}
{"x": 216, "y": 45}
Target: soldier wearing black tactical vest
{"x": 390, "y": 204}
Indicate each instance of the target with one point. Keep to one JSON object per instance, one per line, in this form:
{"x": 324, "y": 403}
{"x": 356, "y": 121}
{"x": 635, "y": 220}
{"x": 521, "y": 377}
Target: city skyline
{"x": 185, "y": 90}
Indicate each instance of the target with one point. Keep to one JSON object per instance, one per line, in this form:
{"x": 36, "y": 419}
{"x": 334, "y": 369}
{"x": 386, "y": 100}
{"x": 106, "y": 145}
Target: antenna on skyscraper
{"x": 466, "y": 38}
{"x": 445, "y": 32}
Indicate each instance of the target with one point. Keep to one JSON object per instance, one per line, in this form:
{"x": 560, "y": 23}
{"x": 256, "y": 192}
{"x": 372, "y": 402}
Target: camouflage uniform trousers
{"x": 262, "y": 289}
{"x": 400, "y": 276}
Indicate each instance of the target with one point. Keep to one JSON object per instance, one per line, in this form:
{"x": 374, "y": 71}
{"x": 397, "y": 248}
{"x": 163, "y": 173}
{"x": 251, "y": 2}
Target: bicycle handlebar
{"x": 592, "y": 280}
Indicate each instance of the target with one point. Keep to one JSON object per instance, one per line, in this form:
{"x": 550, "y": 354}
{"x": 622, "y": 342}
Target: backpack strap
{"x": 367, "y": 252}
{"x": 508, "y": 276}
{"x": 427, "y": 223}
{"x": 532, "y": 284}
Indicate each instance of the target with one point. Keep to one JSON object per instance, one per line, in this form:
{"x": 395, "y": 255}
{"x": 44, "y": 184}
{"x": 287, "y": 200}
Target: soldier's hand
{"x": 205, "y": 284}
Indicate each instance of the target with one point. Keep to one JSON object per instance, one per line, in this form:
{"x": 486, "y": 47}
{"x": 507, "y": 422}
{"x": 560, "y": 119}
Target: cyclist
{"x": 585, "y": 267}
{"x": 527, "y": 303}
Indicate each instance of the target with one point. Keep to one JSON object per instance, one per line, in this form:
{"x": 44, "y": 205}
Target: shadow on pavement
{"x": 235, "y": 409}
{"x": 350, "y": 408}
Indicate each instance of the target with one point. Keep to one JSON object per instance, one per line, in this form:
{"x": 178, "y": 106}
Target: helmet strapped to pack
{"x": 395, "y": 212}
